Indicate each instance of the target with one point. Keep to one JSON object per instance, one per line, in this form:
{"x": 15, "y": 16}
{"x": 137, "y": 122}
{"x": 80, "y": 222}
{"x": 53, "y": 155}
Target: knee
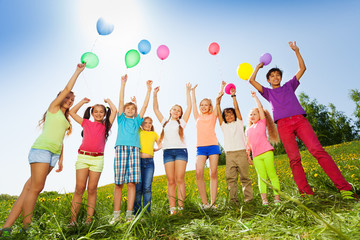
{"x": 79, "y": 189}
{"x": 199, "y": 175}
{"x": 180, "y": 180}
{"x": 213, "y": 174}
{"x": 92, "y": 190}
{"x": 171, "y": 182}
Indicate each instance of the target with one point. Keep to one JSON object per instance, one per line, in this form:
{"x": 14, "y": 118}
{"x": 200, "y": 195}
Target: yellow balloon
{"x": 244, "y": 71}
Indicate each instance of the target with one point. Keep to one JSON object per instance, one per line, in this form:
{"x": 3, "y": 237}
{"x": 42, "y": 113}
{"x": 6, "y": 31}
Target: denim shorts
{"x": 43, "y": 156}
{"x": 170, "y": 155}
{"x": 208, "y": 150}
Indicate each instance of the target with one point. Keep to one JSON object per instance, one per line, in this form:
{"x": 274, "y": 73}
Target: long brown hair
{"x": 42, "y": 120}
{"x": 271, "y": 127}
{"x": 152, "y": 126}
{"x": 181, "y": 130}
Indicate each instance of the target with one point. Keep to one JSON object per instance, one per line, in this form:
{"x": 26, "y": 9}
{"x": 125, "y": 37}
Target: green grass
{"x": 292, "y": 220}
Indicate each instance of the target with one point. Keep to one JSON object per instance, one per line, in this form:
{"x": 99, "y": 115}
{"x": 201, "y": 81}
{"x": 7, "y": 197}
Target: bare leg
{"x": 39, "y": 171}
{"x": 213, "y": 159}
{"x": 131, "y": 195}
{"x": 117, "y": 197}
{"x": 92, "y": 194}
{"x": 180, "y": 168}
{"x": 170, "y": 175}
{"x": 81, "y": 179}
{"x": 200, "y": 164}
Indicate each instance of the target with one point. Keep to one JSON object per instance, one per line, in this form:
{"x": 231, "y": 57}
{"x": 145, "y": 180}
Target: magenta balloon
{"x": 266, "y": 58}
{"x": 214, "y": 48}
{"x": 229, "y": 87}
{"x": 163, "y": 52}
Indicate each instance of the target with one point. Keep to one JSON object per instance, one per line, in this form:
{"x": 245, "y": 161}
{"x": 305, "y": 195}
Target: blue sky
{"x": 42, "y": 41}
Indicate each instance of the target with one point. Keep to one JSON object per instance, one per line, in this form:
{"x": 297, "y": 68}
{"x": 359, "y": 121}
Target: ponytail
{"x": 86, "y": 116}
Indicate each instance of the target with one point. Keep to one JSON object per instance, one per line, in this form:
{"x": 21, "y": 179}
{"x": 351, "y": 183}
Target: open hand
{"x": 188, "y": 86}
{"x": 253, "y": 94}
{"x": 124, "y": 78}
{"x": 293, "y": 46}
{"x": 193, "y": 88}
{"x": 156, "y": 90}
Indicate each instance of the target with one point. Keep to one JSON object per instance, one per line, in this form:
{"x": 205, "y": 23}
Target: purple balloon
{"x": 266, "y": 58}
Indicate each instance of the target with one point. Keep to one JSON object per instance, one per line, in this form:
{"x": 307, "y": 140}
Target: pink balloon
{"x": 214, "y": 48}
{"x": 163, "y": 52}
{"x": 229, "y": 87}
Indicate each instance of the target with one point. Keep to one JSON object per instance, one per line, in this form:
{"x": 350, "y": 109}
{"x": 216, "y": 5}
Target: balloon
{"x": 163, "y": 52}
{"x": 244, "y": 71}
{"x": 132, "y": 58}
{"x": 144, "y": 46}
{"x": 103, "y": 27}
{"x": 90, "y": 59}
{"x": 266, "y": 58}
{"x": 214, "y": 48}
{"x": 229, "y": 87}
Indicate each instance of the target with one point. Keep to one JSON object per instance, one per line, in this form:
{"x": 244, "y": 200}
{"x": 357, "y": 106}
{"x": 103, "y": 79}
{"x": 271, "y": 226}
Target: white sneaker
{"x": 115, "y": 220}
{"x": 205, "y": 206}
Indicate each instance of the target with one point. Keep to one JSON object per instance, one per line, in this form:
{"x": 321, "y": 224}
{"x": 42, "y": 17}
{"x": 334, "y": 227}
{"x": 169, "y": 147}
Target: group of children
{"x": 134, "y": 148}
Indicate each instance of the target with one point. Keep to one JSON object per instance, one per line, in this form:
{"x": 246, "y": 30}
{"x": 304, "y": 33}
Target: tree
{"x": 355, "y": 96}
{"x": 222, "y": 157}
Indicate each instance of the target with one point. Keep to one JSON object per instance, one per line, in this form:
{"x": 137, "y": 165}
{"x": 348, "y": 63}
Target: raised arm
{"x": 55, "y": 105}
{"x": 301, "y": 62}
{"x": 259, "y": 105}
{"x": 194, "y": 107}
{"x": 218, "y": 108}
{"x": 156, "y": 105}
{"x": 122, "y": 94}
{"x": 188, "y": 103}
{"x": 236, "y": 106}
{"x": 147, "y": 98}
{"x": 252, "y": 80}
{"x": 113, "y": 110}
{"x": 73, "y": 111}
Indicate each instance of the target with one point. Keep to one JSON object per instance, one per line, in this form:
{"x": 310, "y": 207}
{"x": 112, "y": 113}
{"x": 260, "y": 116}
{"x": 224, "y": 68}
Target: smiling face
{"x": 254, "y": 116}
{"x": 274, "y": 78}
{"x": 68, "y": 101}
{"x": 147, "y": 124}
{"x": 229, "y": 116}
{"x": 130, "y": 110}
{"x": 205, "y": 106}
{"x": 176, "y": 112}
{"x": 98, "y": 113}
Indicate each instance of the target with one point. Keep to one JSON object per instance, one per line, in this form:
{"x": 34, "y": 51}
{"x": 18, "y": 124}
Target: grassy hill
{"x": 292, "y": 220}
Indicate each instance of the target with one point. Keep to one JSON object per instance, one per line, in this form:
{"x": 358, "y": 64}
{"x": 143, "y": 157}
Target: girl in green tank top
{"x": 56, "y": 123}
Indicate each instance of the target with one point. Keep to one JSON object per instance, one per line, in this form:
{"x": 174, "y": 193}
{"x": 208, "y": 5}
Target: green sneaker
{"x": 349, "y": 195}
{"x": 5, "y": 232}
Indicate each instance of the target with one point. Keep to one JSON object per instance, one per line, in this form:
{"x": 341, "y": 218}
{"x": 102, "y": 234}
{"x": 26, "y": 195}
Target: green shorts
{"x": 95, "y": 164}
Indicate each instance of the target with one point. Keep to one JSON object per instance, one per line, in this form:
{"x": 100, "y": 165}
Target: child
{"x": 127, "y": 151}
{"x": 262, "y": 151}
{"x": 231, "y": 124}
{"x": 291, "y": 123}
{"x": 90, "y": 161}
{"x": 175, "y": 153}
{"x": 207, "y": 147}
{"x": 148, "y": 137}
{"x": 45, "y": 153}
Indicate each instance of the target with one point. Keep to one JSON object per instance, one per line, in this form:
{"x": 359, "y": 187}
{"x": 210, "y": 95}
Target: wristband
{"x": 233, "y": 95}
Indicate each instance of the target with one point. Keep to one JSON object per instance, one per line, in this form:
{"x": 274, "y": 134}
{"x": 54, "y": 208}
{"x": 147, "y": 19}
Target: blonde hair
{"x": 270, "y": 125}
{"x": 181, "y": 130}
{"x": 210, "y": 102}
{"x": 152, "y": 126}
{"x": 128, "y": 104}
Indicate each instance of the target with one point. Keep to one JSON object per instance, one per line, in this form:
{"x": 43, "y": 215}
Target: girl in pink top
{"x": 90, "y": 160}
{"x": 262, "y": 150}
{"x": 207, "y": 147}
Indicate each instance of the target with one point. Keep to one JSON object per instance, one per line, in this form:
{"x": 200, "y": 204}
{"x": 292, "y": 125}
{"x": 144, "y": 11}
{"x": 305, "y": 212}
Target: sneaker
{"x": 115, "y": 220}
{"x": 173, "y": 210}
{"x": 214, "y": 207}
{"x": 265, "y": 203}
{"x": 5, "y": 232}
{"x": 349, "y": 195}
{"x": 277, "y": 202}
{"x": 205, "y": 206}
{"x": 71, "y": 225}
{"x": 129, "y": 218}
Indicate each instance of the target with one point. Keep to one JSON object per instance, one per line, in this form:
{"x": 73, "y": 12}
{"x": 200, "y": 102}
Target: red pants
{"x": 298, "y": 126}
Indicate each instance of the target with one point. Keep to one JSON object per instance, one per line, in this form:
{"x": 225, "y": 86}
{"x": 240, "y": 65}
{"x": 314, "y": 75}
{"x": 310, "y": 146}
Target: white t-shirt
{"x": 171, "y": 134}
{"x": 234, "y": 136}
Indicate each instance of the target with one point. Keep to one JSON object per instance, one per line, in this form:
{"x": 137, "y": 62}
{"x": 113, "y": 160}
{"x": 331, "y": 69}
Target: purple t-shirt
{"x": 283, "y": 100}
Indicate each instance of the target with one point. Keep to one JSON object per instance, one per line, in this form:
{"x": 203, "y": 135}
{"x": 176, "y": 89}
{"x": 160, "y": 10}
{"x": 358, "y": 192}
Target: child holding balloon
{"x": 127, "y": 151}
{"x": 207, "y": 147}
{"x": 175, "y": 153}
{"x": 231, "y": 124}
{"x": 291, "y": 123}
{"x": 90, "y": 159}
{"x": 45, "y": 153}
{"x": 262, "y": 151}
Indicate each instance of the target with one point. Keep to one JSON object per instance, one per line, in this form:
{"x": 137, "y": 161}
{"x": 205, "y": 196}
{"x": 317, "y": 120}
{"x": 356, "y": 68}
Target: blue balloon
{"x": 103, "y": 27}
{"x": 144, "y": 46}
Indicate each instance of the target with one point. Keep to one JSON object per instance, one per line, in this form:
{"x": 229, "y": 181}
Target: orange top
{"x": 205, "y": 129}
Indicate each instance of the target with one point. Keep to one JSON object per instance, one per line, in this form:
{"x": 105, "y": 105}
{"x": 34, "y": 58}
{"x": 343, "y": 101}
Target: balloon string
{"x": 94, "y": 43}
{"x": 219, "y": 67}
{"x": 161, "y": 72}
{"x": 87, "y": 86}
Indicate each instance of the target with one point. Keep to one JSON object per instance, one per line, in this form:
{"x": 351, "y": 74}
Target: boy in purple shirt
{"x": 291, "y": 123}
